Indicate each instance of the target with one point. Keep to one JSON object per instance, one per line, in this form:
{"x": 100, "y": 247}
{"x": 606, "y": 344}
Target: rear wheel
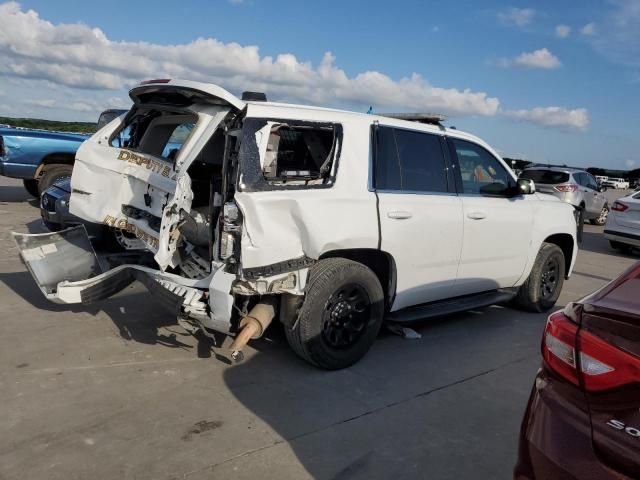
{"x": 341, "y": 314}
{"x": 53, "y": 173}
{"x": 31, "y": 186}
{"x": 602, "y": 218}
{"x": 542, "y": 288}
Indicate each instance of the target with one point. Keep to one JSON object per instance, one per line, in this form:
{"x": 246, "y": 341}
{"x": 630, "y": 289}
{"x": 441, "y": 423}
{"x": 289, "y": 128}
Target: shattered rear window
{"x": 157, "y": 133}
{"x": 291, "y": 153}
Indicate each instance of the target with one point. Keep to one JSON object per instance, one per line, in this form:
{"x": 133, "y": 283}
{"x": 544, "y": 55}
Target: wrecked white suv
{"x": 329, "y": 221}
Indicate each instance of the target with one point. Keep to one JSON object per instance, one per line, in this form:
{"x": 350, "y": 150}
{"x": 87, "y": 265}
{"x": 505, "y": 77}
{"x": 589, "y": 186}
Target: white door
{"x": 420, "y": 217}
{"x": 497, "y": 225}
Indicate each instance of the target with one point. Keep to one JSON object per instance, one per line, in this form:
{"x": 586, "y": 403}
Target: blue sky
{"x": 540, "y": 80}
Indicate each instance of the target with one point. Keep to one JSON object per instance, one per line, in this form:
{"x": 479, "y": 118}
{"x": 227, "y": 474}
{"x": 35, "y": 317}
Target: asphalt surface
{"x": 118, "y": 390}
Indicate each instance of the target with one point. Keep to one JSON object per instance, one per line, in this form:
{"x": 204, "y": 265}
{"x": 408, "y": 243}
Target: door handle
{"x": 399, "y": 215}
{"x": 477, "y": 215}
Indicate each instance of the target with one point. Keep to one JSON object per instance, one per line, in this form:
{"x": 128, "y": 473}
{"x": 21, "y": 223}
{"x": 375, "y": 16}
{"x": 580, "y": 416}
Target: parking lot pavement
{"x": 118, "y": 390}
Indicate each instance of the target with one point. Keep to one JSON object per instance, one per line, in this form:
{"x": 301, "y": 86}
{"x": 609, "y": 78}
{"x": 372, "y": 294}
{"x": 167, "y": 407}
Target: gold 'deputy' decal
{"x": 123, "y": 224}
{"x": 151, "y": 164}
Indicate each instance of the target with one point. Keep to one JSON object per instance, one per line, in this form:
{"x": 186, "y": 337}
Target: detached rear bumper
{"x": 67, "y": 270}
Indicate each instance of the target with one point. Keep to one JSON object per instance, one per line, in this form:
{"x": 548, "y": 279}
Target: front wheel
{"x": 341, "y": 314}
{"x": 542, "y": 288}
{"x": 53, "y": 173}
{"x": 31, "y": 186}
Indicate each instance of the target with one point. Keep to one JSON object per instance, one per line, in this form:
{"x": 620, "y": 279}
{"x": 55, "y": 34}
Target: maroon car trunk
{"x": 612, "y": 316}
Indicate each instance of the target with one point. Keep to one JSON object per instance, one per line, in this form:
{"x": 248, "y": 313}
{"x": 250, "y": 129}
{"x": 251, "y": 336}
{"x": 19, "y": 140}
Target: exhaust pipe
{"x": 253, "y": 325}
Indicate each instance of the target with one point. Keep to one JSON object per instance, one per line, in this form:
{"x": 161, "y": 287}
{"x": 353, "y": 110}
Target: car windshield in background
{"x": 545, "y": 176}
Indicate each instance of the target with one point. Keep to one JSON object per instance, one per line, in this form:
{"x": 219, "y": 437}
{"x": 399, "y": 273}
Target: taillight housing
{"x": 559, "y": 346}
{"x": 585, "y": 359}
{"x": 619, "y": 206}
{"x": 566, "y": 187}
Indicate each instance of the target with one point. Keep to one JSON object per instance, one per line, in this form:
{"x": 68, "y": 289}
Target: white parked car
{"x": 623, "y": 224}
{"x": 619, "y": 183}
{"x": 329, "y": 221}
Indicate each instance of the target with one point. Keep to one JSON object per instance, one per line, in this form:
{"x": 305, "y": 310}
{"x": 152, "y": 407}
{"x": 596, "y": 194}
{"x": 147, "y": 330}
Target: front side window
{"x": 408, "y": 160}
{"x": 481, "y": 172}
{"x": 591, "y": 182}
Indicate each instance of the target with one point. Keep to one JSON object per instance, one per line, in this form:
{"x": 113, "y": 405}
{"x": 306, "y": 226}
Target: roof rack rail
{"x": 431, "y": 118}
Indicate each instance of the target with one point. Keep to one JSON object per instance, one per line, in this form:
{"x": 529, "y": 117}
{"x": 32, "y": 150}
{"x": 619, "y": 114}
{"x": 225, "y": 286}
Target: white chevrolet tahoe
{"x": 326, "y": 220}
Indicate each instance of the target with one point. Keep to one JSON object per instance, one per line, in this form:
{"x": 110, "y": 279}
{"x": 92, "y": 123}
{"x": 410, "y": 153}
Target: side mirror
{"x": 526, "y": 186}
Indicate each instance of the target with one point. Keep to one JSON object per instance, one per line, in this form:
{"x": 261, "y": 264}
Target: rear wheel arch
{"x": 379, "y": 261}
{"x": 565, "y": 242}
{"x": 54, "y": 159}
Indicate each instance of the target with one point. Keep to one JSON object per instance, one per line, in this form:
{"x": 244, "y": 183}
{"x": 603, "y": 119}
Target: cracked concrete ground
{"x": 118, "y": 390}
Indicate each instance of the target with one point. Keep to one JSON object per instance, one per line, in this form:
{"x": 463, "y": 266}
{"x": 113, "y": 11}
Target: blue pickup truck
{"x": 40, "y": 157}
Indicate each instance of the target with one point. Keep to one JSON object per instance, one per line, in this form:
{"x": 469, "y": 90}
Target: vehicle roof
{"x": 292, "y": 110}
{"x": 556, "y": 169}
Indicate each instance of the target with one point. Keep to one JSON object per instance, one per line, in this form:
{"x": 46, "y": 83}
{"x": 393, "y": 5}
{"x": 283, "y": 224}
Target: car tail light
{"x": 619, "y": 206}
{"x": 559, "y": 346}
{"x": 605, "y": 367}
{"x": 583, "y": 358}
{"x": 566, "y": 187}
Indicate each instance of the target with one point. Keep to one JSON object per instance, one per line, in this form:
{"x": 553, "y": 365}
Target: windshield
{"x": 545, "y": 176}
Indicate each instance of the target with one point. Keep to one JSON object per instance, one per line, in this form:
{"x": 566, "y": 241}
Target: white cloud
{"x": 563, "y": 31}
{"x": 46, "y": 103}
{"x": 588, "y": 29}
{"x": 541, "y": 58}
{"x": 236, "y": 2}
{"x": 78, "y": 56}
{"x": 519, "y": 17}
{"x": 618, "y": 33}
{"x": 577, "y": 119}
{"x": 630, "y": 163}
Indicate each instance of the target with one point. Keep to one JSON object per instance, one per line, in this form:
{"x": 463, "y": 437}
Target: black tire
{"x": 602, "y": 218}
{"x": 52, "y": 173}
{"x": 327, "y": 332}
{"x": 619, "y": 246}
{"x": 51, "y": 226}
{"x": 579, "y": 214}
{"x": 535, "y": 294}
{"x": 31, "y": 186}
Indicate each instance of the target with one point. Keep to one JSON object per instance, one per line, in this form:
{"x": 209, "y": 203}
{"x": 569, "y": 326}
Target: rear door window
{"x": 545, "y": 176}
{"x": 410, "y": 161}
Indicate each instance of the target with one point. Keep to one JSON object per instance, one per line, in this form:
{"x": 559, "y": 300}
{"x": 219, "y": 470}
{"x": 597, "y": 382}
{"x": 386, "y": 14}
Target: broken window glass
{"x": 161, "y": 134}
{"x": 296, "y": 152}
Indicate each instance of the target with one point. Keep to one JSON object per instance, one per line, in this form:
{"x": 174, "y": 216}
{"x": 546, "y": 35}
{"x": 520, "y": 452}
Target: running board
{"x": 453, "y": 305}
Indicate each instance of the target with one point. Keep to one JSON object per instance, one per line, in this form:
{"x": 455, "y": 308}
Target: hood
{"x": 20, "y": 132}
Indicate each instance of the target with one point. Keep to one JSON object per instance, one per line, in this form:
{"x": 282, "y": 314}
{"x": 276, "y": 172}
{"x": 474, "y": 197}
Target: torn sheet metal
{"x": 143, "y": 194}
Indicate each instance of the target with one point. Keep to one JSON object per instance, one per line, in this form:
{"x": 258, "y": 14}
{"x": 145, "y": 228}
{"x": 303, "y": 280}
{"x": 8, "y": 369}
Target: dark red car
{"x": 583, "y": 417}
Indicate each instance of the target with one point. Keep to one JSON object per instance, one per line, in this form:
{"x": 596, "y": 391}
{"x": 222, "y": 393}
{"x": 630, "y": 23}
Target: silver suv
{"x": 577, "y": 187}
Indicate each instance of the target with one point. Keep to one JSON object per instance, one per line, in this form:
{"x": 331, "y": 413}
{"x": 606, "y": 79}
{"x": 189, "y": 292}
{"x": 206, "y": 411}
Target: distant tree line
{"x": 38, "y": 124}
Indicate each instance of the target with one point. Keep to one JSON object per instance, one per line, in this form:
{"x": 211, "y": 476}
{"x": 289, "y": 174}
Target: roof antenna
{"x": 370, "y": 111}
